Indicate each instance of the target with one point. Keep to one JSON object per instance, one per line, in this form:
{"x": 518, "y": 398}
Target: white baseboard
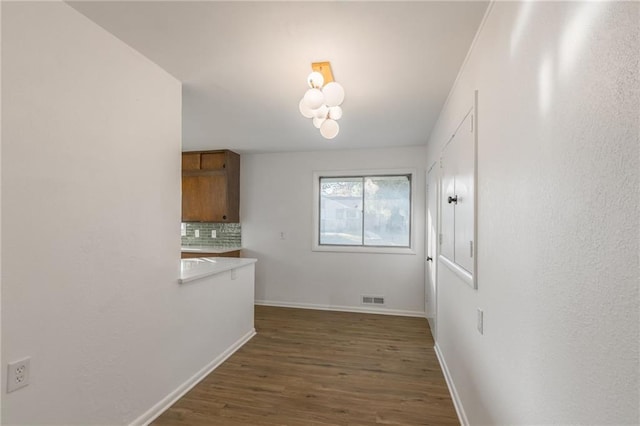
{"x": 462, "y": 416}
{"x": 359, "y": 309}
{"x": 432, "y": 326}
{"x": 166, "y": 402}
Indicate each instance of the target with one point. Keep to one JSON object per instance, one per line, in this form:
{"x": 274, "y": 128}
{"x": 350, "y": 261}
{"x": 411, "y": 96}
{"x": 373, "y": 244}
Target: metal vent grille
{"x": 372, "y": 300}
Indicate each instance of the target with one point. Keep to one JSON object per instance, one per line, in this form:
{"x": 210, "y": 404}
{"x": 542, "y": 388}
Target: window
{"x": 364, "y": 212}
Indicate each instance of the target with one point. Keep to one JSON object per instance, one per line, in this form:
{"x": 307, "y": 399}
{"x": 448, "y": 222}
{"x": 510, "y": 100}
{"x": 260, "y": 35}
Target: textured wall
{"x": 90, "y": 237}
{"x": 277, "y": 196}
{"x": 558, "y": 238}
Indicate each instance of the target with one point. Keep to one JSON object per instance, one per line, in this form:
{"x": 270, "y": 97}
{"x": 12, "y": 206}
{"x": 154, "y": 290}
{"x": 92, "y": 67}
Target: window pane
{"x": 387, "y": 209}
{"x": 341, "y": 211}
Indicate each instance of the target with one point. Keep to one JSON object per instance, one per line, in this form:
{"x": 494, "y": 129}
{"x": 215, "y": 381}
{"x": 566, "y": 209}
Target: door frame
{"x": 432, "y": 190}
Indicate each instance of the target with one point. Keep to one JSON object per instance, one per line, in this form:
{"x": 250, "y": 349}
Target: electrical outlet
{"x": 197, "y": 233}
{"x": 213, "y": 233}
{"x": 480, "y": 321}
{"x": 18, "y": 374}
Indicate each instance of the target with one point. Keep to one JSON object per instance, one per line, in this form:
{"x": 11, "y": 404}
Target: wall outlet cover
{"x": 18, "y": 374}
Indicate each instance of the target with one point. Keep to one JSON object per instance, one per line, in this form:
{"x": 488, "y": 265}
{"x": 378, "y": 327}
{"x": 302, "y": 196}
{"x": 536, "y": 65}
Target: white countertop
{"x": 209, "y": 249}
{"x": 200, "y": 267}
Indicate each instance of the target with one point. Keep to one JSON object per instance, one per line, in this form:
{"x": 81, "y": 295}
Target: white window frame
{"x": 361, "y": 249}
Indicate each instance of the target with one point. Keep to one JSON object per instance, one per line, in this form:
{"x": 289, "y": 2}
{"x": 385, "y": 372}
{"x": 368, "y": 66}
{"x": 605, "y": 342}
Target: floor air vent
{"x": 372, "y": 300}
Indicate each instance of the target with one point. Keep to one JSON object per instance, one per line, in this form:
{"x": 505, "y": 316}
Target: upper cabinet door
{"x": 211, "y": 186}
{"x": 204, "y": 198}
{"x": 447, "y": 208}
{"x": 213, "y": 160}
{"x": 464, "y": 191}
{"x": 458, "y": 200}
{"x": 190, "y": 161}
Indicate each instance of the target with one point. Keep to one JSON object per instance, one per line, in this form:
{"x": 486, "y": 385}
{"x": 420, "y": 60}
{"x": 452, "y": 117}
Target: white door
{"x": 457, "y": 199}
{"x": 464, "y": 192}
{"x": 431, "y": 248}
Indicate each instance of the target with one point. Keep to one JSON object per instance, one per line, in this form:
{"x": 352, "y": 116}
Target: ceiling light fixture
{"x": 322, "y": 100}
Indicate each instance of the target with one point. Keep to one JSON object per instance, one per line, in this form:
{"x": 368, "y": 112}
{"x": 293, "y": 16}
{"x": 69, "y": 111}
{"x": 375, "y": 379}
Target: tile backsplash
{"x": 227, "y": 234}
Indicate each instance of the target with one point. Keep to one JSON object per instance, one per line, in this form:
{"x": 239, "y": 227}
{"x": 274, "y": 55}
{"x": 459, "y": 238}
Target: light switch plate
{"x": 480, "y": 322}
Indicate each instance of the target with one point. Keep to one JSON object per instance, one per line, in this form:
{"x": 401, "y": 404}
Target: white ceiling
{"x": 244, "y": 65}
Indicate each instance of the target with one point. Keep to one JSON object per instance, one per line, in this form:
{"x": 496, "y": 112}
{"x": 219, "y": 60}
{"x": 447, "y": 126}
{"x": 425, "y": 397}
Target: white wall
{"x": 90, "y": 226}
{"x": 276, "y": 196}
{"x": 1, "y": 363}
{"x": 558, "y": 239}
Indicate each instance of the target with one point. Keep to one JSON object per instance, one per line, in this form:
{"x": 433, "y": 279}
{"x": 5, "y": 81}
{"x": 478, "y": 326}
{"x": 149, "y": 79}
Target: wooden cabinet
{"x": 190, "y": 254}
{"x": 190, "y": 161}
{"x": 211, "y": 186}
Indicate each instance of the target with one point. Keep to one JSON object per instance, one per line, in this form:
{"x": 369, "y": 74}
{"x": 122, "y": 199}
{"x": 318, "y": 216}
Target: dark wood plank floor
{"x": 309, "y": 367}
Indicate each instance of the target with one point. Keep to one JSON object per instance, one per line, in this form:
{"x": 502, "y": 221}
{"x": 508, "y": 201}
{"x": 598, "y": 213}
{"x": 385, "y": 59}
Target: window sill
{"x": 462, "y": 273}
{"x": 360, "y": 249}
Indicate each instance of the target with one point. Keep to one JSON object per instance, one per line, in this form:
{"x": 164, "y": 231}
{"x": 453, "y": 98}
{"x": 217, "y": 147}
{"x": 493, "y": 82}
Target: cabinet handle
{"x": 453, "y": 199}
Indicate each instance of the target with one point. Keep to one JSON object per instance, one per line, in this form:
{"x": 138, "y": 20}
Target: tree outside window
{"x": 371, "y": 211}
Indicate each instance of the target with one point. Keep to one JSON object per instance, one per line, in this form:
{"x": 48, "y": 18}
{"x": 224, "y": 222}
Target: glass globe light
{"x": 321, "y": 112}
{"x": 335, "y": 113}
{"x": 333, "y": 94}
{"x": 313, "y": 98}
{"x": 315, "y": 80}
{"x": 304, "y": 109}
{"x": 317, "y": 122}
{"x": 329, "y": 129}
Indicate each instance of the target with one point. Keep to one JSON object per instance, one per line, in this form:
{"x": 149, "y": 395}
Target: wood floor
{"x": 309, "y": 367}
